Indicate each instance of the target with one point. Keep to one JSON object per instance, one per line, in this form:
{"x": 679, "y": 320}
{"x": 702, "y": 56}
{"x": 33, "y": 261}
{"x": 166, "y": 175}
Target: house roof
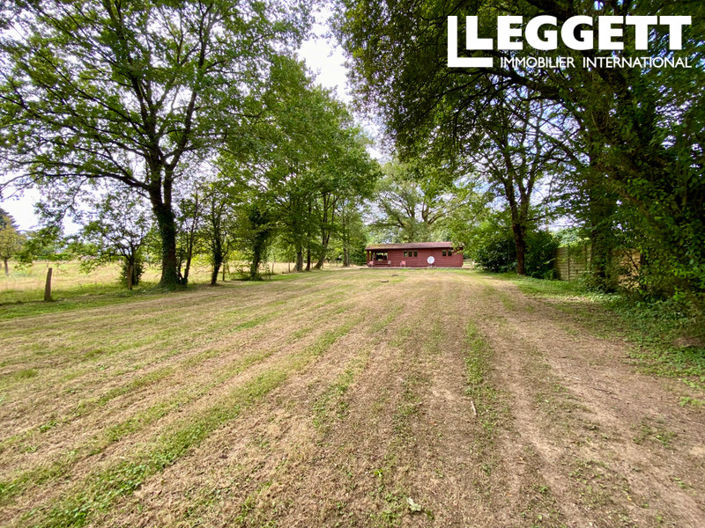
{"x": 413, "y": 245}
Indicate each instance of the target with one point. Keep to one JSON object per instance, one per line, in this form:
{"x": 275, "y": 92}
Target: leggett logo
{"x": 541, "y": 33}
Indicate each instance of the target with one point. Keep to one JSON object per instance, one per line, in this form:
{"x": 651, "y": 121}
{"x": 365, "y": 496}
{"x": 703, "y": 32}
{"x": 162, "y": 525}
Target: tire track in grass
{"x": 98, "y": 492}
{"x": 433, "y": 460}
{"x": 576, "y": 413}
{"x": 336, "y": 470}
{"x": 233, "y": 462}
{"x": 163, "y": 372}
{"x": 74, "y": 345}
{"x": 514, "y": 487}
{"x": 140, "y": 420}
{"x": 332, "y": 405}
{"x": 419, "y": 346}
{"x": 308, "y": 418}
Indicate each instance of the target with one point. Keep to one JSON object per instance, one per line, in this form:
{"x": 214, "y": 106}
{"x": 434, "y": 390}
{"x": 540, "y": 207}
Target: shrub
{"x": 137, "y": 271}
{"x": 541, "y": 254}
{"x": 496, "y": 252}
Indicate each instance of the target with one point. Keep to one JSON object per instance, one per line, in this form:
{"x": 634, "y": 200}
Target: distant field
{"x": 353, "y": 398}
{"x": 26, "y": 283}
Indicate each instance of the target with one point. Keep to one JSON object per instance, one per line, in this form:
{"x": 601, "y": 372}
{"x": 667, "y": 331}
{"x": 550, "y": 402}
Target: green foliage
{"x": 541, "y": 254}
{"x": 632, "y": 136}
{"x": 5, "y": 219}
{"x": 11, "y": 240}
{"x": 46, "y": 243}
{"x": 136, "y": 268}
{"x": 305, "y": 163}
{"x": 117, "y": 226}
{"x": 424, "y": 200}
{"x": 131, "y": 92}
{"x": 493, "y": 248}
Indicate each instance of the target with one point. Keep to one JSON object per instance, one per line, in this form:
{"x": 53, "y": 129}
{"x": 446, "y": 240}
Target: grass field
{"x": 25, "y": 283}
{"x": 343, "y": 398}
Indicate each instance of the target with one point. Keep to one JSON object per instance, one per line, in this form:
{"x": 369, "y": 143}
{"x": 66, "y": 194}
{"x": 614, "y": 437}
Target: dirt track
{"x": 350, "y": 398}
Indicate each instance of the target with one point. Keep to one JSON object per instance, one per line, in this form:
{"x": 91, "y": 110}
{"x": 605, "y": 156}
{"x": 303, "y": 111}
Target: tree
{"x": 117, "y": 226}
{"x": 641, "y": 127}
{"x": 10, "y": 239}
{"x": 410, "y": 204}
{"x": 515, "y": 155}
{"x": 4, "y": 218}
{"x": 305, "y": 155}
{"x": 256, "y": 227}
{"x": 418, "y": 198}
{"x": 219, "y": 199}
{"x": 130, "y": 91}
{"x": 352, "y": 234}
{"x": 46, "y": 243}
{"x": 189, "y": 220}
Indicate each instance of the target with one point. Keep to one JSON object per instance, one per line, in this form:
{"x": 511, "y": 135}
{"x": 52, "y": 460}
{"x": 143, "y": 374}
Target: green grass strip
{"x": 117, "y": 432}
{"x": 477, "y": 364}
{"x": 101, "y": 489}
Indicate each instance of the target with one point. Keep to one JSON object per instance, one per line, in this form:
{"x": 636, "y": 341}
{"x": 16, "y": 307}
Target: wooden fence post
{"x": 47, "y": 286}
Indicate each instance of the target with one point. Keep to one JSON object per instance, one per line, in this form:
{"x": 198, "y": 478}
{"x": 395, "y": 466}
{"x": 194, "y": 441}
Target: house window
{"x": 443, "y": 253}
{"x": 416, "y": 253}
{"x": 380, "y": 256}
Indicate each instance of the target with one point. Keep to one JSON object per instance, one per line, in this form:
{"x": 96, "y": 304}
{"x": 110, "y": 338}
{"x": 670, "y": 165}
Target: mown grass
{"x": 23, "y": 304}
{"x": 668, "y": 338}
{"x": 22, "y": 292}
{"x": 142, "y": 419}
{"x": 483, "y": 395}
{"x": 100, "y": 490}
{"x": 116, "y": 432}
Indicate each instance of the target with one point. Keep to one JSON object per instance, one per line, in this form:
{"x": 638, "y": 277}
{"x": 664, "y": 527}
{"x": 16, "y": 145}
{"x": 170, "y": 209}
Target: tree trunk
{"x": 520, "y": 245}
{"x": 187, "y": 268}
{"x": 308, "y": 258}
{"x": 167, "y": 233}
{"x": 324, "y": 249}
{"x": 256, "y": 259}
{"x": 601, "y": 207}
{"x": 346, "y": 257}
{"x": 299, "y": 259}
{"x": 214, "y": 274}
{"x": 217, "y": 260}
{"x": 189, "y": 253}
{"x": 7, "y": 270}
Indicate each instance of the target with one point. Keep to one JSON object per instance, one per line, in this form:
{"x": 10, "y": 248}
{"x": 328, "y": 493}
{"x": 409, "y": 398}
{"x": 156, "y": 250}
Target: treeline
{"x": 181, "y": 128}
{"x": 617, "y": 152}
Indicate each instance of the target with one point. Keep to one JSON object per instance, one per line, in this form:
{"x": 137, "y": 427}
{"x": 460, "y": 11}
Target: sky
{"x": 324, "y": 57}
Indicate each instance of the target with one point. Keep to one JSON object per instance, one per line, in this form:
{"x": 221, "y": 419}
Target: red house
{"x": 414, "y": 255}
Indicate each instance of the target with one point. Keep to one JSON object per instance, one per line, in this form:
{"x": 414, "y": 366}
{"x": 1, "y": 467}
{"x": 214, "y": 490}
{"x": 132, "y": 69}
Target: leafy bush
{"x": 541, "y": 254}
{"x": 137, "y": 271}
{"x": 496, "y": 252}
